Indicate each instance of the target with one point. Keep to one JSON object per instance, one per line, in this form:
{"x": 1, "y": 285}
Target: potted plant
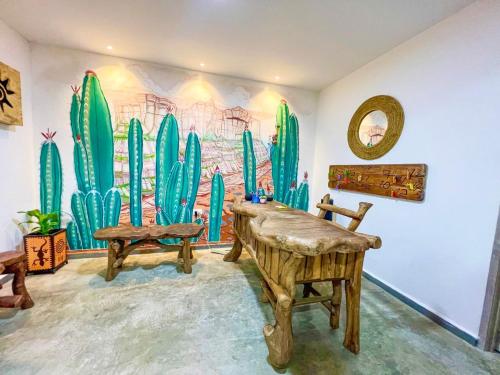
{"x": 46, "y": 244}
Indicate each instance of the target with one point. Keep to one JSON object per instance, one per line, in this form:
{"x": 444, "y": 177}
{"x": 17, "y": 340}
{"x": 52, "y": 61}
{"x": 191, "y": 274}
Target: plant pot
{"x": 45, "y": 253}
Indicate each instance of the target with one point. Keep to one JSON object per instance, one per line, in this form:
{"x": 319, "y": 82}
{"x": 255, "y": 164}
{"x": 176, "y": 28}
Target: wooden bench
{"x": 13, "y": 262}
{"x": 118, "y": 236}
{"x": 293, "y": 247}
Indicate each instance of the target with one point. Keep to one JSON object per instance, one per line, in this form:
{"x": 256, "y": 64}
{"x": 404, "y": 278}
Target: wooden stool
{"x": 13, "y": 262}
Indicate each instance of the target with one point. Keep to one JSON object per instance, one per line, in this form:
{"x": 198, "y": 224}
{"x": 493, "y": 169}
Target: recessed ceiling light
{"x": 202, "y": 64}
{"x": 109, "y": 48}
{"x": 276, "y": 78}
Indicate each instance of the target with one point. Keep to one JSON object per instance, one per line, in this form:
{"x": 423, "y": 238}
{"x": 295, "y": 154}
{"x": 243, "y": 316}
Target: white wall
{"x": 448, "y": 81}
{"x": 18, "y": 173}
{"x": 55, "y": 69}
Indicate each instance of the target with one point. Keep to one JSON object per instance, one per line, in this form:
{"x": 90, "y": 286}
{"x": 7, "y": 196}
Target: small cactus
{"x": 303, "y": 195}
{"x": 291, "y": 195}
{"x": 216, "y": 206}
{"x": 176, "y": 190}
{"x": 50, "y": 177}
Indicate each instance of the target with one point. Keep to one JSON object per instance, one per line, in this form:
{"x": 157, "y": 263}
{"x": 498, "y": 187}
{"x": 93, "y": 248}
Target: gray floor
{"x": 154, "y": 320}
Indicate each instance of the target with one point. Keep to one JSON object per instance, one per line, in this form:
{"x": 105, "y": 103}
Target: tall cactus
{"x": 50, "y": 176}
{"x": 249, "y": 163}
{"x": 303, "y": 195}
{"x": 96, "y": 133}
{"x": 294, "y": 146}
{"x": 193, "y": 167}
{"x": 135, "y": 162}
{"x": 167, "y": 150}
{"x": 285, "y": 151}
{"x": 216, "y": 205}
{"x": 96, "y": 203}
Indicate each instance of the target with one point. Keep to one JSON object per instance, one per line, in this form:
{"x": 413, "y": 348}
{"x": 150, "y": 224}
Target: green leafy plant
{"x": 42, "y": 223}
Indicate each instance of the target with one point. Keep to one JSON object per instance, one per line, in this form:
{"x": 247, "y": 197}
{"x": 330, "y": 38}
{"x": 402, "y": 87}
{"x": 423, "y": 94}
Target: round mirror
{"x": 372, "y": 128}
{"x": 375, "y": 127}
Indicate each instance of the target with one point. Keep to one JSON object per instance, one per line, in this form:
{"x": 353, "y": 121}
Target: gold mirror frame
{"x": 395, "y": 121}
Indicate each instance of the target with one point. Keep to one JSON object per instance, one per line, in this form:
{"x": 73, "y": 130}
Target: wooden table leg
{"x": 18, "y": 286}
{"x": 335, "y": 301}
{"x": 114, "y": 247}
{"x": 186, "y": 255}
{"x": 235, "y": 252}
{"x": 263, "y": 296}
{"x": 279, "y": 338}
{"x": 353, "y": 296}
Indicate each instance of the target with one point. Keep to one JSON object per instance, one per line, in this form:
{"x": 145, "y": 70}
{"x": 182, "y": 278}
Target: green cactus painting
{"x": 285, "y": 152}
{"x": 50, "y": 176}
{"x": 176, "y": 190}
{"x": 294, "y": 146}
{"x": 81, "y": 221}
{"x": 249, "y": 163}
{"x": 135, "y": 160}
{"x": 193, "y": 167}
{"x": 112, "y": 207}
{"x": 184, "y": 214}
{"x": 302, "y": 202}
{"x": 216, "y": 206}
{"x": 167, "y": 151}
{"x": 96, "y": 203}
{"x": 96, "y": 133}
{"x": 291, "y": 196}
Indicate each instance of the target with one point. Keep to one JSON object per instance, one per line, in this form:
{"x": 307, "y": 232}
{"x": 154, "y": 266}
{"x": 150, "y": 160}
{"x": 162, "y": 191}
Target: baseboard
{"x": 97, "y": 253}
{"x": 429, "y": 314}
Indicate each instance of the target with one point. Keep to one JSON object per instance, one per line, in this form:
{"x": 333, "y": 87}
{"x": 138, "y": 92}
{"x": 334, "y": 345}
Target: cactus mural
{"x": 285, "y": 152}
{"x": 303, "y": 195}
{"x": 50, "y": 176}
{"x": 167, "y": 150}
{"x": 96, "y": 203}
{"x": 135, "y": 161}
{"x": 176, "y": 191}
{"x": 216, "y": 204}
{"x": 249, "y": 163}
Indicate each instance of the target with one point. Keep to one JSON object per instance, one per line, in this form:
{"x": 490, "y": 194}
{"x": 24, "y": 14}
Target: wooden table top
{"x": 11, "y": 257}
{"x": 297, "y": 231}
{"x": 150, "y": 232}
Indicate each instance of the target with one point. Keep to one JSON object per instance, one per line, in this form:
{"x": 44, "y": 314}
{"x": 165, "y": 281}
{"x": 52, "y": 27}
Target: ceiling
{"x": 306, "y": 43}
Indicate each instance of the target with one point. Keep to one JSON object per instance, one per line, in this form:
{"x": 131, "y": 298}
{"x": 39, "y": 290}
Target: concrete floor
{"x": 154, "y": 320}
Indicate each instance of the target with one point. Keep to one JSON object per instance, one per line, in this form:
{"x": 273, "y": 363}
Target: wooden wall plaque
{"x": 10, "y": 96}
{"x": 402, "y": 181}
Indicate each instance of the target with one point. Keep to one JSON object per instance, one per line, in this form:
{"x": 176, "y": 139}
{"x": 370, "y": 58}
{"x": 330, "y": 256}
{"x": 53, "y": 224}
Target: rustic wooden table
{"x": 293, "y": 247}
{"x": 149, "y": 235}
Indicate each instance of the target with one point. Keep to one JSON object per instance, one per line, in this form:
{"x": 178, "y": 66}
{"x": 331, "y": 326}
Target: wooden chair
{"x": 13, "y": 262}
{"x": 356, "y": 218}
